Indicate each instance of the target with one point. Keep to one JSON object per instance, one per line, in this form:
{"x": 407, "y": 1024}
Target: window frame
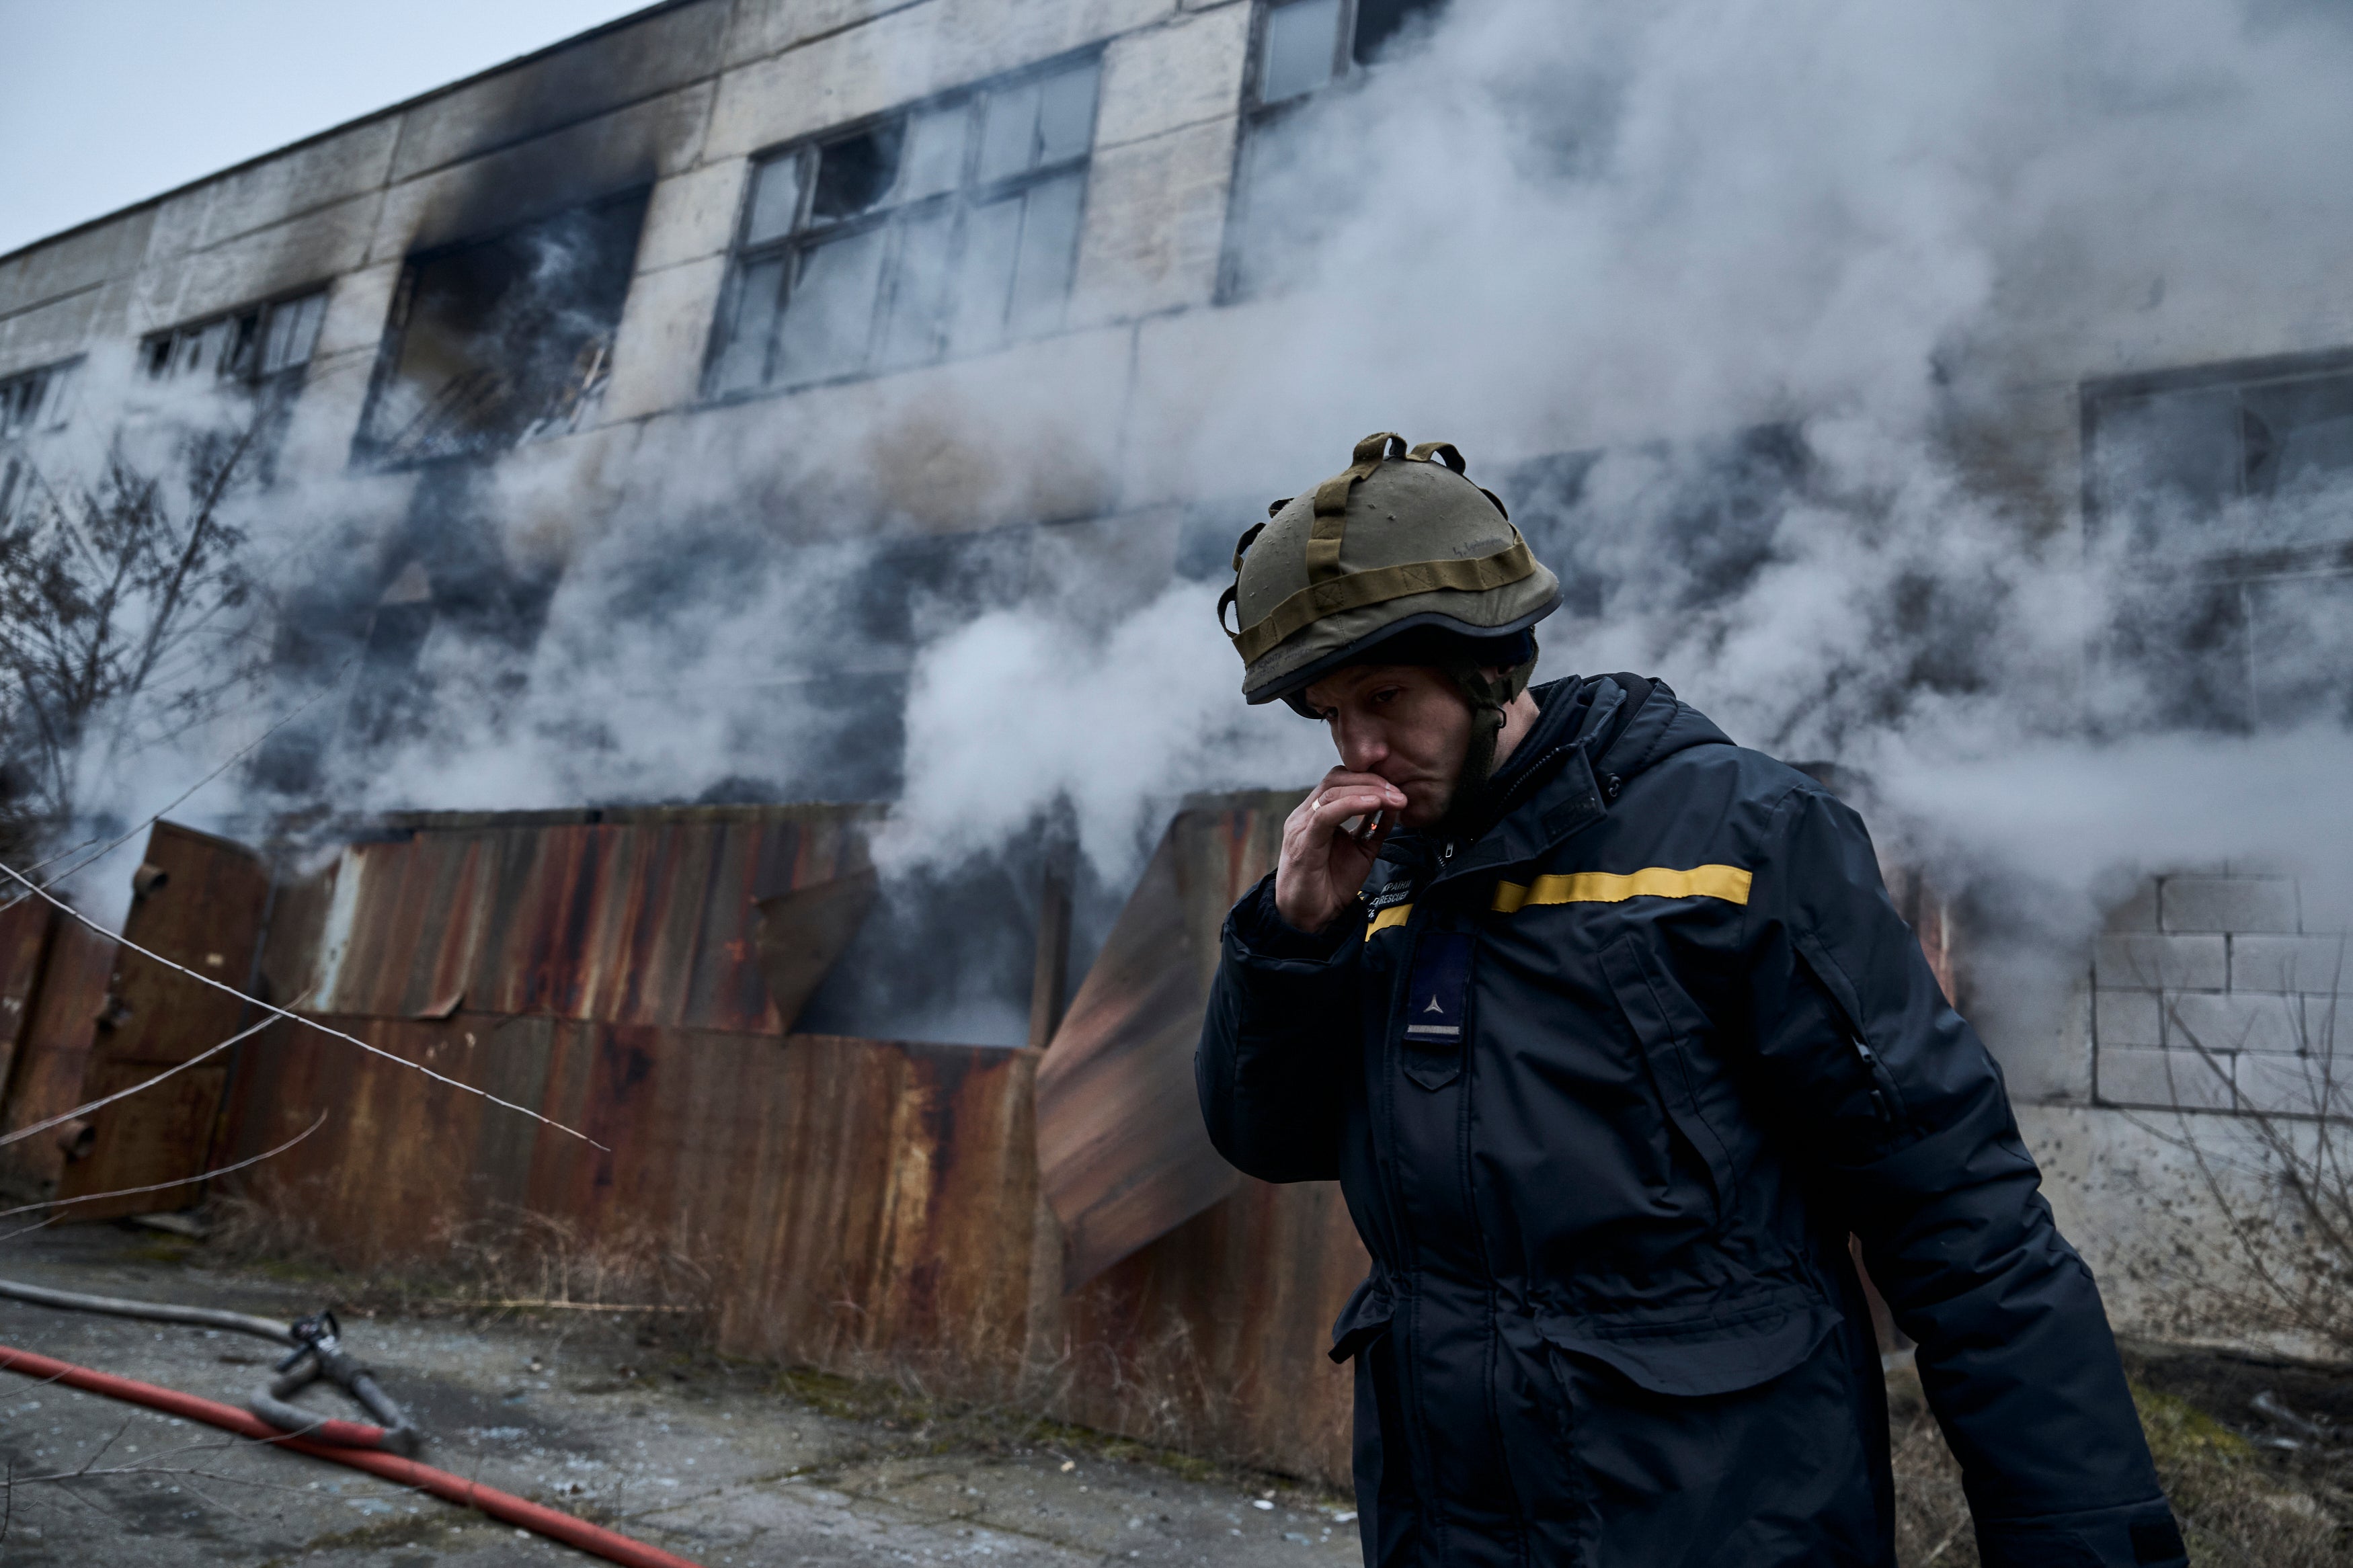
{"x": 1259, "y": 117}
{"x": 373, "y": 446}
{"x": 54, "y": 382}
{"x": 51, "y": 399}
{"x": 1344, "y": 37}
{"x": 156, "y": 349}
{"x": 2197, "y": 595}
{"x": 801, "y": 235}
{"x": 2100, "y": 398}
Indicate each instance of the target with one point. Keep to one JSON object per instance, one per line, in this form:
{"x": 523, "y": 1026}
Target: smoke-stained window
{"x": 2227, "y": 491}
{"x": 32, "y": 402}
{"x": 945, "y": 229}
{"x": 2180, "y": 449}
{"x": 1283, "y": 198}
{"x": 36, "y": 400}
{"x": 502, "y": 341}
{"x": 254, "y": 344}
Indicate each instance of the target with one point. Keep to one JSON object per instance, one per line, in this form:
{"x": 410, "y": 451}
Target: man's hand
{"x": 1323, "y": 866}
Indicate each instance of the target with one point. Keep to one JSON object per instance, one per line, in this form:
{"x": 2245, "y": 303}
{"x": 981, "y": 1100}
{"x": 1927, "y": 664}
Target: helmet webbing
{"x": 1330, "y": 589}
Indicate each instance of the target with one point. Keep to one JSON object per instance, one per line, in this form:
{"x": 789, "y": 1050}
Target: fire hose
{"x": 317, "y": 1354}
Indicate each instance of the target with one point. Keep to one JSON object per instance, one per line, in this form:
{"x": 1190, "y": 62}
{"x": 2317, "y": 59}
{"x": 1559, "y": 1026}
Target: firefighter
{"x": 1609, "y": 1034}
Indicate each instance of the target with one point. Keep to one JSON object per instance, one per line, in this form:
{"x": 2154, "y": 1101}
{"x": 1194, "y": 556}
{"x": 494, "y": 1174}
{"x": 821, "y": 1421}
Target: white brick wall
{"x": 2154, "y": 960}
{"x": 2121, "y": 1018}
{"x": 2311, "y": 964}
{"x": 2208, "y": 995}
{"x": 2179, "y": 1079}
{"x": 2227, "y": 903}
{"x": 2293, "y": 1084}
{"x": 2206, "y": 1020}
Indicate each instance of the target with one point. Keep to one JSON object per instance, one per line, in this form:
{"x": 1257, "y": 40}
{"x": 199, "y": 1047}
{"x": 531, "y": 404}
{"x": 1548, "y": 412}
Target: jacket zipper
{"x": 1884, "y": 1097}
{"x": 1874, "y": 1072}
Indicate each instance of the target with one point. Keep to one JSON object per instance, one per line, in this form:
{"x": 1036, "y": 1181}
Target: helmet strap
{"x": 1467, "y": 811}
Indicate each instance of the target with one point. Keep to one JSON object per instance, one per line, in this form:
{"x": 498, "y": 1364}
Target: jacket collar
{"x": 1589, "y": 737}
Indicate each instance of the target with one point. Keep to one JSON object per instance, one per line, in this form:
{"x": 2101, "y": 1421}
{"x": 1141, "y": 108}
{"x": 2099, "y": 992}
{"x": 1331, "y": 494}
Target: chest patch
{"x": 1436, "y": 1005}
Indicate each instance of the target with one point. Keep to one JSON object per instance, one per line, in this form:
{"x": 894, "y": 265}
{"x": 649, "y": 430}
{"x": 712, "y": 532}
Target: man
{"x": 1609, "y": 1034}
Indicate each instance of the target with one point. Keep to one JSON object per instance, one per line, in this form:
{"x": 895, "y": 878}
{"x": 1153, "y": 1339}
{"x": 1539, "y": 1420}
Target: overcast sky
{"x": 105, "y": 103}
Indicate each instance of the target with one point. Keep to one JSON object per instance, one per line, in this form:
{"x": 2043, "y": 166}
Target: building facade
{"x": 948, "y": 275}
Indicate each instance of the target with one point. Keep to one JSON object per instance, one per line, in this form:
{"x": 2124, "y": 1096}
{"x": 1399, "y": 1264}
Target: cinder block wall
{"x": 2211, "y": 1001}
{"x": 2208, "y": 995}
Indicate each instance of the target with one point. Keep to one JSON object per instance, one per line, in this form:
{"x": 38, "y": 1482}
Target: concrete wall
{"x": 2207, "y": 1005}
{"x": 680, "y": 98}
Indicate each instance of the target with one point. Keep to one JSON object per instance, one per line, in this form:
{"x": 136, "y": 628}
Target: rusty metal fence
{"x": 1046, "y": 1227}
{"x": 865, "y": 1207}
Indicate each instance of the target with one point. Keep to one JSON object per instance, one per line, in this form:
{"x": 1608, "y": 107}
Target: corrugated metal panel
{"x": 24, "y": 931}
{"x": 54, "y": 1051}
{"x": 1213, "y": 1337}
{"x": 200, "y": 901}
{"x": 289, "y": 947}
{"x": 803, "y": 934}
{"x": 1123, "y": 1153}
{"x": 401, "y": 1159}
{"x": 641, "y": 917}
{"x": 862, "y": 1199}
{"x": 870, "y": 1206}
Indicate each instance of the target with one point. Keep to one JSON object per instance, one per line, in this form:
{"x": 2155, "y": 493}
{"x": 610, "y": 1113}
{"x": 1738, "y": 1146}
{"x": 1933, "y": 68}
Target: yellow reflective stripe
{"x": 1729, "y": 883}
{"x": 1393, "y": 916}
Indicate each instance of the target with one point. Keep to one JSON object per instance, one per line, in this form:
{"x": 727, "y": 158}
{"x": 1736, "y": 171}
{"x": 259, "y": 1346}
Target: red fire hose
{"x": 499, "y": 1505}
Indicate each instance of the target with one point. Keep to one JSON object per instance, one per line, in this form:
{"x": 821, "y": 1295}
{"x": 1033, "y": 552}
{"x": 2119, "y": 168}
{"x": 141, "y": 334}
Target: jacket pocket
{"x": 1387, "y": 1516}
{"x": 1645, "y": 997}
{"x": 1679, "y": 1437}
{"x": 1886, "y": 1099}
{"x": 1698, "y": 1358}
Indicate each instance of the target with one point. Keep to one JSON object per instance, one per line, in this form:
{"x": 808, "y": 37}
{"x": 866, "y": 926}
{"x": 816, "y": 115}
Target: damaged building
{"x": 949, "y": 273}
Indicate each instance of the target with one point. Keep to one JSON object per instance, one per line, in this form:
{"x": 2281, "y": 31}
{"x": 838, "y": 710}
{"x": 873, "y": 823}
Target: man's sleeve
{"x": 1906, "y": 1118}
{"x": 1281, "y": 1013}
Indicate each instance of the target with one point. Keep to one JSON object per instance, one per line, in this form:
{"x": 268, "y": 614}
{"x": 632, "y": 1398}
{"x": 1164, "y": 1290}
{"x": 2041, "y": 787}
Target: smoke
{"x": 1809, "y": 291}
{"x": 1115, "y": 724}
{"x": 1900, "y": 236}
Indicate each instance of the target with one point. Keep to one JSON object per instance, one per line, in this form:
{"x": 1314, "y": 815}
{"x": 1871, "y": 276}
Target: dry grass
{"x": 2234, "y": 1507}
{"x": 1149, "y": 1403}
{"x": 1932, "y": 1517}
{"x": 2241, "y": 1506}
{"x": 2242, "y": 1500}
{"x": 514, "y": 1263}
{"x": 906, "y": 1421}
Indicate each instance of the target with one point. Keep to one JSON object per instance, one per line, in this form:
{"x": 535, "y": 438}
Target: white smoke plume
{"x": 1903, "y": 231}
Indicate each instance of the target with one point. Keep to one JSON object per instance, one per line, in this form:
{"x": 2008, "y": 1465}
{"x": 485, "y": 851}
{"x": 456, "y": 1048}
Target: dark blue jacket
{"x": 1607, "y": 1089}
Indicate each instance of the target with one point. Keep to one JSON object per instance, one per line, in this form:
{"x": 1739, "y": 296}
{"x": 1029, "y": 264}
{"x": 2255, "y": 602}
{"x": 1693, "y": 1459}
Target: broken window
{"x": 31, "y": 402}
{"x": 948, "y": 228}
{"x": 502, "y": 341}
{"x": 1284, "y": 200}
{"x": 35, "y": 400}
{"x": 2171, "y": 453}
{"x": 256, "y": 344}
{"x": 2230, "y": 489}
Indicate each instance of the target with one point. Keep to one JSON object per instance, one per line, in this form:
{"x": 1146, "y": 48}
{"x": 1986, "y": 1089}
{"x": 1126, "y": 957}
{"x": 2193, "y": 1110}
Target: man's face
{"x": 1405, "y": 722}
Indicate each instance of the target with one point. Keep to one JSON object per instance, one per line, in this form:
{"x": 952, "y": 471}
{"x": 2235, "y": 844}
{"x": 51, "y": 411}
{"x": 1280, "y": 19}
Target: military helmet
{"x": 1401, "y": 540}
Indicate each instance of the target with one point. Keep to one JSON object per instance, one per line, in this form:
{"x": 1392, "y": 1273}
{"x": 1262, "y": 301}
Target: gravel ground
{"x": 704, "y": 1459}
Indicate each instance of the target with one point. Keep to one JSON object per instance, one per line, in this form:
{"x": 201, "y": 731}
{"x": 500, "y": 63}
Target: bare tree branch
{"x": 177, "y": 1182}
{"x": 305, "y": 1020}
{"x": 125, "y": 616}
